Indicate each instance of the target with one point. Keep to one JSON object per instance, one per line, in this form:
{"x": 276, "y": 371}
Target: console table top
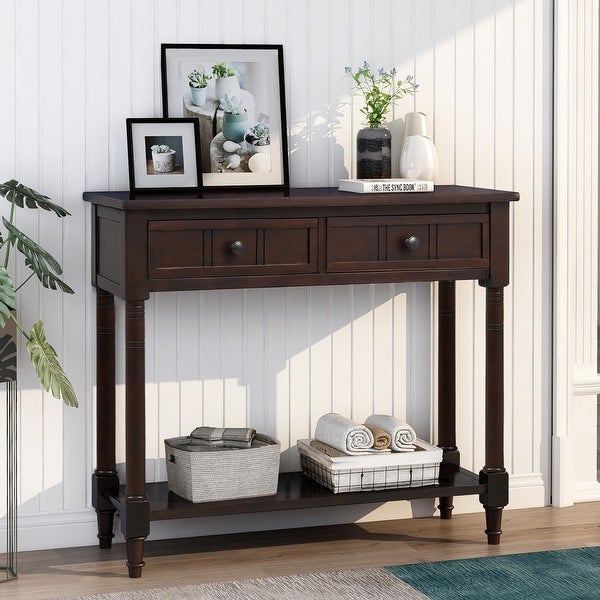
{"x": 299, "y": 197}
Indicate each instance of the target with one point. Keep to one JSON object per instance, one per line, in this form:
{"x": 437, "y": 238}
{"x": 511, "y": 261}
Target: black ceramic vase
{"x": 374, "y": 153}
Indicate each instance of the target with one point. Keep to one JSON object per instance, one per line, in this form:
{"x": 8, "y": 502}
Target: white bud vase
{"x": 418, "y": 158}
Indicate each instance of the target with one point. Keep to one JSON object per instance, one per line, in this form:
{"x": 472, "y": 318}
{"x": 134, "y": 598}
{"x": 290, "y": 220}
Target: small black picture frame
{"x": 164, "y": 156}
{"x": 240, "y": 109}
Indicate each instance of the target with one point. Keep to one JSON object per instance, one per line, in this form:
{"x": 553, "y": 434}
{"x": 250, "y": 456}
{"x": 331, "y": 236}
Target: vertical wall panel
{"x": 188, "y": 371}
{"x": 51, "y": 162}
{"x": 75, "y": 350}
{"x": 145, "y": 74}
{"x": 298, "y": 366}
{"x": 442, "y": 123}
{"x": 298, "y": 92}
{"x": 317, "y": 135}
{"x": 97, "y": 95}
{"x": 320, "y": 344}
{"x": 522, "y": 227}
{"x": 31, "y": 407}
{"x": 277, "y": 359}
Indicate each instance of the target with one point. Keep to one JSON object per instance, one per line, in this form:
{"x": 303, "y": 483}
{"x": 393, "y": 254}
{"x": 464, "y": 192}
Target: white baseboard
{"x": 586, "y": 492}
{"x": 57, "y": 530}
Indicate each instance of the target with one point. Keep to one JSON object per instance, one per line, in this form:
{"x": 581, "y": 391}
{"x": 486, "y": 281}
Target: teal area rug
{"x": 550, "y": 575}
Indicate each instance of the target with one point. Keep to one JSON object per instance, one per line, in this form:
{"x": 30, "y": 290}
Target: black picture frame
{"x": 248, "y": 161}
{"x": 177, "y": 170}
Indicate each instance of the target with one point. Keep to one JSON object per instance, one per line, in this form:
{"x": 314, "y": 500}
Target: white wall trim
{"x": 586, "y": 385}
{"x": 575, "y": 243}
{"x": 586, "y": 491}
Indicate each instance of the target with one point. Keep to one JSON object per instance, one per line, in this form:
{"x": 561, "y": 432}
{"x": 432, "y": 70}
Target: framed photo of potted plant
{"x": 241, "y": 113}
{"x": 164, "y": 155}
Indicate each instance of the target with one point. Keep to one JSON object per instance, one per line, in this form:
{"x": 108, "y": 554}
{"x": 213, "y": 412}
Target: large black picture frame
{"x": 246, "y": 150}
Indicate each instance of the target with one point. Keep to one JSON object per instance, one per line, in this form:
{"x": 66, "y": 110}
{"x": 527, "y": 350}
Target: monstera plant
{"x": 47, "y": 269}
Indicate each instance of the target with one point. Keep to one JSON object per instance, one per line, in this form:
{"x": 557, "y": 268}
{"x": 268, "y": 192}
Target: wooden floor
{"x": 76, "y": 571}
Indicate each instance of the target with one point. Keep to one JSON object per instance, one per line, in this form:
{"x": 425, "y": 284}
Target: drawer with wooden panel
{"x": 207, "y": 248}
{"x": 409, "y": 242}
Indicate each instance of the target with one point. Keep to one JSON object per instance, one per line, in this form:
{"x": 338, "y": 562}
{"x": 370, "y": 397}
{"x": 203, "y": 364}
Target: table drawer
{"x": 207, "y": 248}
{"x": 412, "y": 242}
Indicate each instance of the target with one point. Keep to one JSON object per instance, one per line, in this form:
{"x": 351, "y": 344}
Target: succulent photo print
{"x": 164, "y": 155}
{"x": 235, "y": 92}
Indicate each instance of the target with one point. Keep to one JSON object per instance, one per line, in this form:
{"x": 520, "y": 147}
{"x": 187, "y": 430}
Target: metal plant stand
{"x": 8, "y": 379}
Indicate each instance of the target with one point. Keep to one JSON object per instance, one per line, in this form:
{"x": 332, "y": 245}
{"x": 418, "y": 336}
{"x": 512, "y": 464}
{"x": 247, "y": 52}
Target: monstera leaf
{"x": 8, "y": 358}
{"x": 40, "y": 261}
{"x": 48, "y": 271}
{"x": 22, "y": 196}
{"x": 48, "y": 369}
{"x": 7, "y": 295}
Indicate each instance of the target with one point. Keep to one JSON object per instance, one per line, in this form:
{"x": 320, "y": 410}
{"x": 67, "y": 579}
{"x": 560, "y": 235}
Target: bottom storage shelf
{"x": 295, "y": 490}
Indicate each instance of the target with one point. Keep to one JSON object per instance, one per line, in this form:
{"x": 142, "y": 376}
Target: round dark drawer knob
{"x": 237, "y": 247}
{"x": 412, "y": 242}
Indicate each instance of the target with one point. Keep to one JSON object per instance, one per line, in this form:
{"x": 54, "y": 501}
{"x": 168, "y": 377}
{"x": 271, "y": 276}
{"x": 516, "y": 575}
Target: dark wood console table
{"x": 303, "y": 237}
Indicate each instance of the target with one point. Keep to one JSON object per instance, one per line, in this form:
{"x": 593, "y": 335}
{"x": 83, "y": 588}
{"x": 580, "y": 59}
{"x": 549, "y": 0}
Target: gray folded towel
{"x": 344, "y": 434}
{"x": 229, "y": 437}
{"x": 403, "y": 435}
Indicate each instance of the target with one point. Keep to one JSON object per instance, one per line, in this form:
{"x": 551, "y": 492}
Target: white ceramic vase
{"x": 418, "y": 158}
{"x": 227, "y": 85}
{"x": 198, "y": 95}
{"x": 164, "y": 162}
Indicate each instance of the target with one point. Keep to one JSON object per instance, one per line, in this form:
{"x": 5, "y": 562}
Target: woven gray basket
{"x": 202, "y": 474}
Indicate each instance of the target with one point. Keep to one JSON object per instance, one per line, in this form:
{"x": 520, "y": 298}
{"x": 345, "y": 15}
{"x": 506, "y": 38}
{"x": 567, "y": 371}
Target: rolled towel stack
{"x": 223, "y": 437}
{"x": 403, "y": 436}
{"x": 345, "y": 435}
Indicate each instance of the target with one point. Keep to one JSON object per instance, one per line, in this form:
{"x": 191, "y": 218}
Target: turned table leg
{"x": 447, "y": 386}
{"x": 105, "y": 482}
{"x": 493, "y": 473}
{"x": 135, "y": 510}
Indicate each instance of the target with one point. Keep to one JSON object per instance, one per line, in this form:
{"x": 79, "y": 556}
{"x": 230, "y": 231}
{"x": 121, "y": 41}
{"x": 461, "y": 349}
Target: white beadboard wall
{"x": 277, "y": 359}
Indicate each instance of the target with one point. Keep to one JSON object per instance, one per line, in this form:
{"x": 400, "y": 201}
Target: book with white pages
{"x": 369, "y": 186}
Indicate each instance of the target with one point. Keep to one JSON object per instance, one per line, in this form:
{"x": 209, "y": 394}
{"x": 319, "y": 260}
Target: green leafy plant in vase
{"x": 48, "y": 271}
{"x": 381, "y": 89}
{"x": 258, "y": 138}
{"x": 198, "y": 82}
{"x": 226, "y": 81}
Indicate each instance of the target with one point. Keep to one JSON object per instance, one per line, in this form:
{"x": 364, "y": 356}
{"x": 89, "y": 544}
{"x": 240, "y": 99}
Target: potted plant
{"x": 226, "y": 81}
{"x": 258, "y": 138}
{"x": 235, "y": 118}
{"x": 380, "y": 89}
{"x": 163, "y": 158}
{"x": 47, "y": 269}
{"x": 198, "y": 82}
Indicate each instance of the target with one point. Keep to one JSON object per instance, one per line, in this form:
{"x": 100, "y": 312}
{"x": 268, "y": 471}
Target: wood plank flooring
{"x": 76, "y": 571}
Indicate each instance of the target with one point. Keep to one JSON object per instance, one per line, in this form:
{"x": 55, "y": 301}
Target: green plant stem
{"x": 7, "y": 240}
{"x": 24, "y": 282}
{"x": 19, "y": 326}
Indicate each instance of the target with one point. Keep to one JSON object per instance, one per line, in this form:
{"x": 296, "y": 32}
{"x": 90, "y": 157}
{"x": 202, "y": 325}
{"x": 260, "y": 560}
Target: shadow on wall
{"x": 316, "y": 136}
{"x": 277, "y": 359}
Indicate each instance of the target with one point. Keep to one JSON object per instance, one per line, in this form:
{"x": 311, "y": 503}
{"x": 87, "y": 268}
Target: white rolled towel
{"x": 344, "y": 434}
{"x": 403, "y": 435}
